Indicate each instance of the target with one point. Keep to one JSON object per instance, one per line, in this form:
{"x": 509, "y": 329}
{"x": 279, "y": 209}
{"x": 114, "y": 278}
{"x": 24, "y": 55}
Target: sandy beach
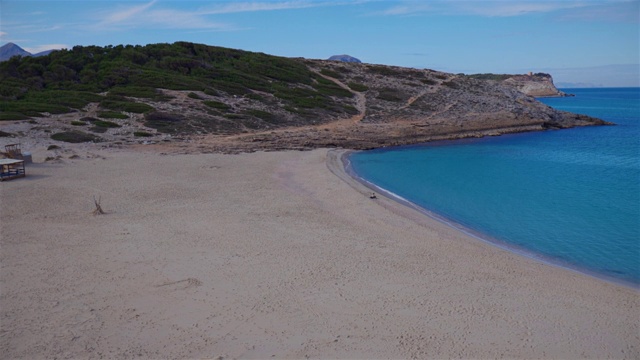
{"x": 272, "y": 255}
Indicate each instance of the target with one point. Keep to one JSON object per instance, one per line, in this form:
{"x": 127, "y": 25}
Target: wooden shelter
{"x": 11, "y": 169}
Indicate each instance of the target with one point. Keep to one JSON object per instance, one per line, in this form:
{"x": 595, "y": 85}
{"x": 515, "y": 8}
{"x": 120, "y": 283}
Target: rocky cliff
{"x": 537, "y": 85}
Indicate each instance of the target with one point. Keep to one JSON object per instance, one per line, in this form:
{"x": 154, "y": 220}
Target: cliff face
{"x": 537, "y": 85}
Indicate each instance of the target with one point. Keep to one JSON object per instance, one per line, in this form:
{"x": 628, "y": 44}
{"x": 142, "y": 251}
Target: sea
{"x": 566, "y": 197}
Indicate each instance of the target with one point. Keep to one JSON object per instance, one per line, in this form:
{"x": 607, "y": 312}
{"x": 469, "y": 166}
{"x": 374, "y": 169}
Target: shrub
{"x": 12, "y": 115}
{"x": 78, "y": 123}
{"x": 138, "y": 92}
{"x": 358, "y": 87}
{"x": 216, "y": 105}
{"x": 142, "y": 134}
{"x": 127, "y": 106}
{"x": 75, "y": 137}
{"x": 105, "y": 124}
{"x": 112, "y": 115}
{"x": 331, "y": 73}
{"x": 389, "y": 94}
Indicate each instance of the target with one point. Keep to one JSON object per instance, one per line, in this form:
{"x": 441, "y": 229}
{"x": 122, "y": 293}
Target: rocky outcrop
{"x": 537, "y": 85}
{"x": 345, "y": 58}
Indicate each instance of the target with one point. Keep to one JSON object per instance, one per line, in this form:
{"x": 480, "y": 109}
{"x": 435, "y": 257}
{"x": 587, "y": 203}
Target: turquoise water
{"x": 571, "y": 197}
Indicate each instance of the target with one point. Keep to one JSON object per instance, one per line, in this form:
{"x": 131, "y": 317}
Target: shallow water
{"x": 568, "y": 196}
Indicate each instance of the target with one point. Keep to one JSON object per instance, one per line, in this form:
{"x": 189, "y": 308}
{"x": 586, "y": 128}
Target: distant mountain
{"x": 43, "y": 53}
{"x": 345, "y": 58}
{"x": 10, "y": 50}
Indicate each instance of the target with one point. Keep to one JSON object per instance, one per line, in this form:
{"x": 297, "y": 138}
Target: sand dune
{"x": 271, "y": 255}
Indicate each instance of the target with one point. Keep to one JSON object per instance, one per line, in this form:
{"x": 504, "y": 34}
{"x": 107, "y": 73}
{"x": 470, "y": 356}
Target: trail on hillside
{"x": 361, "y": 100}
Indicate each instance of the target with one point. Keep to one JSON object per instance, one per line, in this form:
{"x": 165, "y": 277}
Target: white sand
{"x": 270, "y": 255}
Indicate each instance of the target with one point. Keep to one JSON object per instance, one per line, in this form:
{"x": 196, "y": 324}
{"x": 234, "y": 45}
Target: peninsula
{"x": 238, "y": 101}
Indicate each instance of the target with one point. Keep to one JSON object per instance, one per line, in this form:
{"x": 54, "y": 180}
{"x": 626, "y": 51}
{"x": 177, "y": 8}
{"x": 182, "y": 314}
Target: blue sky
{"x": 586, "y": 42}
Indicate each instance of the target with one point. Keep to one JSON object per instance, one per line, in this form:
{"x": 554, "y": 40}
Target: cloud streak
{"x": 127, "y": 13}
{"x": 494, "y": 8}
{"x": 238, "y": 7}
{"x": 149, "y": 16}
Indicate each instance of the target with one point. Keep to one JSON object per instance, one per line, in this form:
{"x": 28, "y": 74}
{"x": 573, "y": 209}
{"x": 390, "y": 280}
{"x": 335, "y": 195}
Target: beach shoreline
{"x": 272, "y": 255}
{"x": 341, "y": 167}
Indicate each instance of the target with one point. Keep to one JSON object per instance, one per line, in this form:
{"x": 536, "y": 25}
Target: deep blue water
{"x": 571, "y": 197}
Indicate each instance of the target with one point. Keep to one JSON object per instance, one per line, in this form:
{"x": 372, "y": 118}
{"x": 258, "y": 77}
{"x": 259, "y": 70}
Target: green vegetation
{"x": 216, "y": 105}
{"x": 112, "y": 115}
{"x": 71, "y": 79}
{"x": 138, "y": 92}
{"x": 165, "y": 122}
{"x": 329, "y": 88}
{"x": 451, "y": 84}
{"x": 78, "y": 123}
{"x": 358, "y": 87}
{"x": 383, "y": 70}
{"x": 105, "y": 124}
{"x": 388, "y": 94}
{"x": 11, "y": 115}
{"x": 496, "y": 77}
{"x": 428, "y": 81}
{"x": 194, "y": 96}
{"x": 75, "y": 137}
{"x": 331, "y": 73}
{"x": 117, "y": 103}
{"x": 264, "y": 115}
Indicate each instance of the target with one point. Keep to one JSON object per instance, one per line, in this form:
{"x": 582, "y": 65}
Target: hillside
{"x": 230, "y": 100}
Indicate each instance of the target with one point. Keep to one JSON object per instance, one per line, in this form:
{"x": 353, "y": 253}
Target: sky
{"x": 581, "y": 43}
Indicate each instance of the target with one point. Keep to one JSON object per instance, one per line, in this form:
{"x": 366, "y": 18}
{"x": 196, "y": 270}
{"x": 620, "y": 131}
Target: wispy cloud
{"x": 149, "y": 16}
{"x": 155, "y": 14}
{"x": 3, "y": 34}
{"x": 236, "y": 7}
{"x": 127, "y": 13}
{"x": 516, "y": 8}
{"x": 612, "y": 11}
{"x": 494, "y": 8}
{"x": 408, "y": 8}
